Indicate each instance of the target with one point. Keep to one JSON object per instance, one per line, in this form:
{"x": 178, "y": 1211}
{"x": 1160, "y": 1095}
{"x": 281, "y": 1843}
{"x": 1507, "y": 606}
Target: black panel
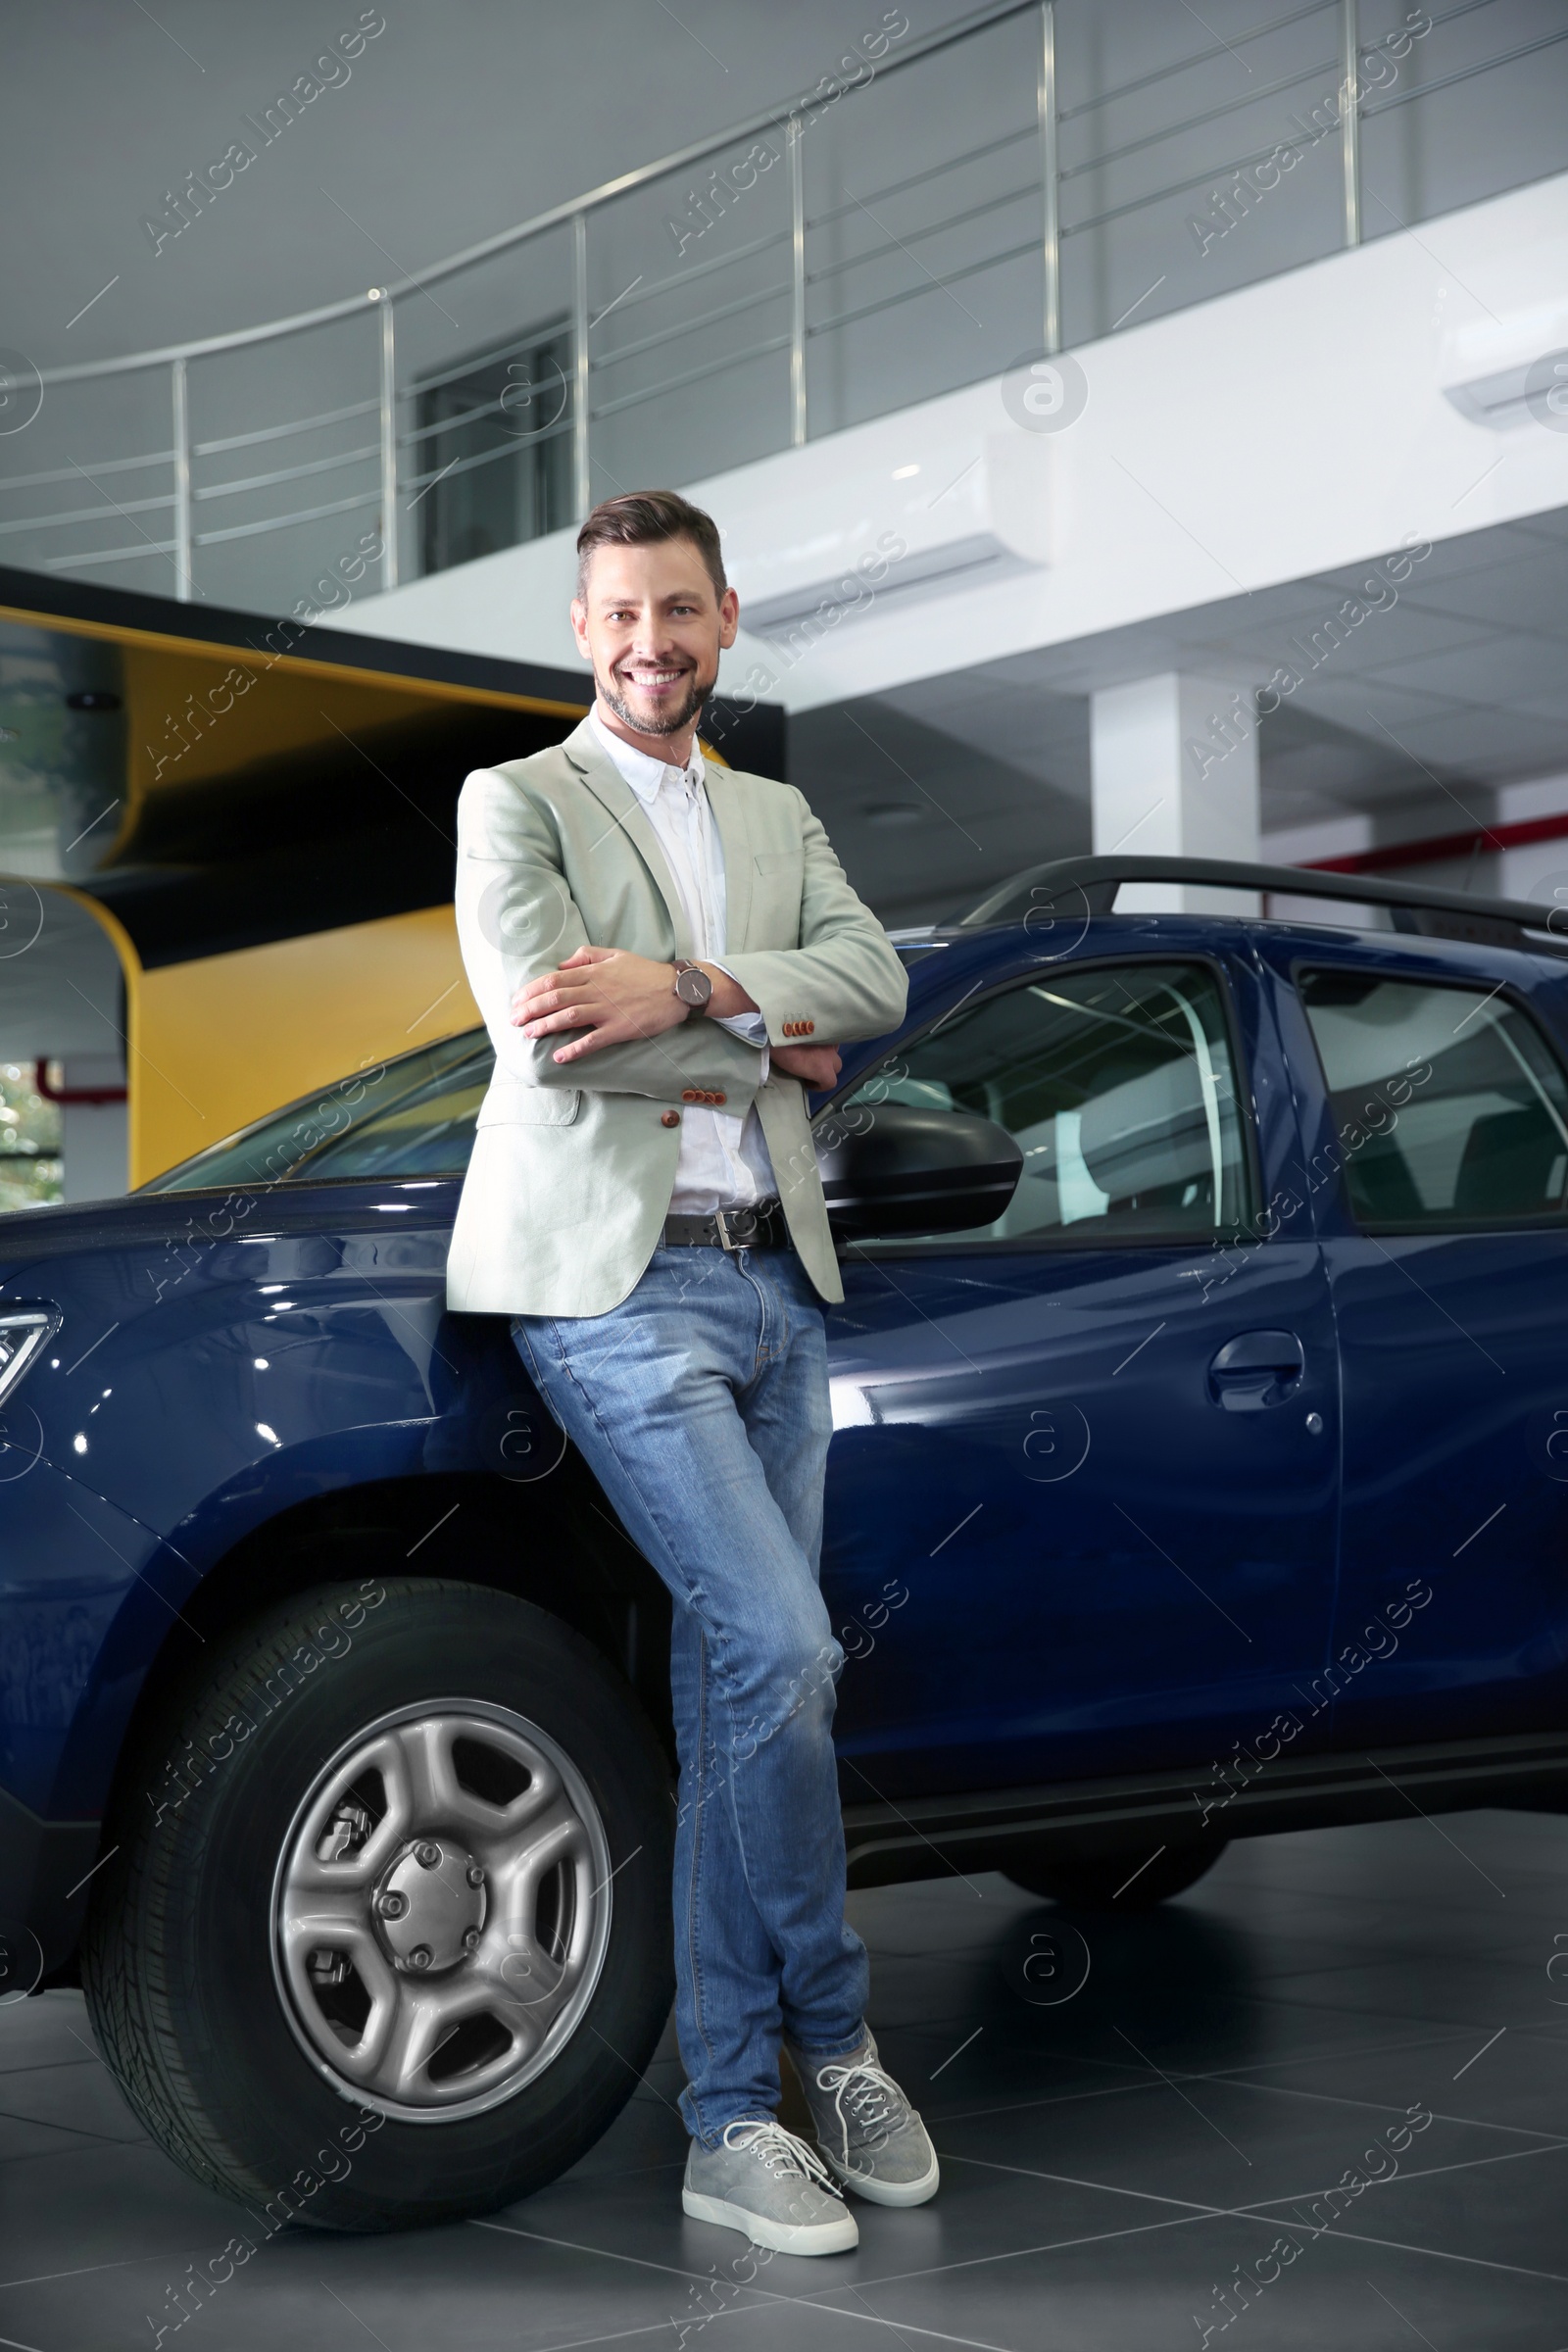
{"x": 345, "y": 831}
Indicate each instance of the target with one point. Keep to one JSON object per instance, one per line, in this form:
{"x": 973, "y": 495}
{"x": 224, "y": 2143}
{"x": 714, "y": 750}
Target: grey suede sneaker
{"x": 766, "y": 2181}
{"x": 866, "y": 2128}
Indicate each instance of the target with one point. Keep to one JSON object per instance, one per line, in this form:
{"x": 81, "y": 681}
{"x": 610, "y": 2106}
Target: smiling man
{"x": 667, "y": 956}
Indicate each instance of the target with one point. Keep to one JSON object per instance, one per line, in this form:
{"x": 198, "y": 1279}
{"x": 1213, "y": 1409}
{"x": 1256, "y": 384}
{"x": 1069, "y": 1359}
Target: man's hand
{"x": 816, "y": 1066}
{"x": 612, "y": 994}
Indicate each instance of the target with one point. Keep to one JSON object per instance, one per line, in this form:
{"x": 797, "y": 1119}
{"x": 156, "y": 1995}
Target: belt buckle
{"x": 747, "y": 1217}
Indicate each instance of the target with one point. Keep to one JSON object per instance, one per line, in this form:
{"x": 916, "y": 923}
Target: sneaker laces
{"x": 780, "y": 2150}
{"x": 869, "y": 2095}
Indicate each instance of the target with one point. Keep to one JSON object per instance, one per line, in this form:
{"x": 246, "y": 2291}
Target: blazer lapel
{"x": 727, "y": 801}
{"x": 625, "y": 814}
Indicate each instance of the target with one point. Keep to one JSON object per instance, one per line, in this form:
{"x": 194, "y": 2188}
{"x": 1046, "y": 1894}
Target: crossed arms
{"x": 562, "y": 1010}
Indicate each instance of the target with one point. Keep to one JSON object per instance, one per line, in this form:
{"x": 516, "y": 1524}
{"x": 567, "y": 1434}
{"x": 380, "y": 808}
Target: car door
{"x": 1440, "y": 1162}
{"x": 1081, "y": 1493}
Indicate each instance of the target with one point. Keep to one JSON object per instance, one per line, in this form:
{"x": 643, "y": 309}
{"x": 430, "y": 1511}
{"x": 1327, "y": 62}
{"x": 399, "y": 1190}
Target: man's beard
{"x": 668, "y": 722}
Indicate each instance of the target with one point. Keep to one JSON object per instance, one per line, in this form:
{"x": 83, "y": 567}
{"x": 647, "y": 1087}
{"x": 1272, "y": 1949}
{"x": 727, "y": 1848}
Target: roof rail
{"x": 1088, "y": 886}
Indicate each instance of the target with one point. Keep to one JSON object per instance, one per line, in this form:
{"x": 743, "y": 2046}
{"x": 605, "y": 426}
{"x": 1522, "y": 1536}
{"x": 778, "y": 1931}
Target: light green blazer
{"x": 572, "y": 1167}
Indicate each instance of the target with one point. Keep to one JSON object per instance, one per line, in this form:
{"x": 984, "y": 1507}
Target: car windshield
{"x": 413, "y": 1116}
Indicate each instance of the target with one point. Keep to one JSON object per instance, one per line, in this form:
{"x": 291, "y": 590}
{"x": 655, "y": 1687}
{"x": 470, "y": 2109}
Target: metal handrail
{"x": 1386, "y": 106}
{"x": 951, "y": 278}
{"x": 137, "y": 506}
{"x": 74, "y": 473}
{"x": 918, "y": 179}
{"x": 1212, "y": 114}
{"x": 1199, "y": 57}
{"x": 109, "y": 555}
{"x": 935, "y": 229}
{"x": 402, "y": 450}
{"x": 275, "y": 432}
{"x": 283, "y": 522}
{"x": 486, "y": 457}
{"x": 289, "y": 474}
{"x": 489, "y": 352}
{"x": 558, "y": 216}
{"x": 683, "y": 328}
{"x": 1214, "y": 174}
{"x": 692, "y": 375}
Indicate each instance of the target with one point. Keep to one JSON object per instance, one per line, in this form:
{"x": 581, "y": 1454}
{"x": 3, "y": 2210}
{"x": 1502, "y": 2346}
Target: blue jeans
{"x": 701, "y": 1404}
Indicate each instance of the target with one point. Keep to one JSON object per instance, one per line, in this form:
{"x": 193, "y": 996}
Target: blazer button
{"x": 689, "y": 1094}
{"x": 670, "y": 1118}
{"x": 808, "y": 1027}
{"x": 718, "y": 1097}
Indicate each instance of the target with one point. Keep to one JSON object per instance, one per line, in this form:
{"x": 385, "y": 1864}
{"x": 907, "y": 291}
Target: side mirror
{"x": 903, "y": 1169}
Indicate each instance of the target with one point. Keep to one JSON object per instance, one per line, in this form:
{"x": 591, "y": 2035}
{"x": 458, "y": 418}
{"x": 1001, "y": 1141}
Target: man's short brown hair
{"x": 644, "y": 519}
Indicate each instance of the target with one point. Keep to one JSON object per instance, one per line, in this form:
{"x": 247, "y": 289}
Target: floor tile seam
{"x": 41, "y": 2122}
{"x": 616, "y": 2336}
{"x": 1198, "y": 2207}
{"x": 888, "y": 2278}
{"x": 1334, "y": 2098}
{"x": 88, "y": 2269}
{"x": 1484, "y": 1962}
{"x": 1455, "y": 2025}
{"x": 764, "y": 2298}
{"x": 621, "y": 2335}
{"x": 1141, "y": 2082}
{"x": 49, "y": 2065}
{"x": 902, "y": 2328}
{"x": 1058, "y": 2245}
{"x": 1481, "y": 2262}
{"x": 1296, "y": 1892}
{"x": 1552, "y": 2041}
{"x": 1431, "y": 2172}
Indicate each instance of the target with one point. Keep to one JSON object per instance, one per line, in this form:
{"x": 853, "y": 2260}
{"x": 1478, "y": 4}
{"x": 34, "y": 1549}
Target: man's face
{"x": 652, "y": 625}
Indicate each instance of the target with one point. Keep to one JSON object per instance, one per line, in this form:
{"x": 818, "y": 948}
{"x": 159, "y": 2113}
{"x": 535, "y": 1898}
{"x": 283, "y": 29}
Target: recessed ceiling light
{"x": 901, "y": 473}
{"x": 895, "y": 812}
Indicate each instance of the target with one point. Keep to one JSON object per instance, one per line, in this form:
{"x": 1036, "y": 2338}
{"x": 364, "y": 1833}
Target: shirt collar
{"x": 642, "y": 772}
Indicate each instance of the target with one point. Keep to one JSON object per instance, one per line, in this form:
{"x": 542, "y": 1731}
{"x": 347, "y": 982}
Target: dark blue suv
{"x": 1201, "y": 1468}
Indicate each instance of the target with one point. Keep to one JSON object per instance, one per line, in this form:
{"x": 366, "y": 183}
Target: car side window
{"x": 1449, "y": 1108}
{"x": 1117, "y": 1082}
{"x": 413, "y": 1116}
{"x": 429, "y": 1133}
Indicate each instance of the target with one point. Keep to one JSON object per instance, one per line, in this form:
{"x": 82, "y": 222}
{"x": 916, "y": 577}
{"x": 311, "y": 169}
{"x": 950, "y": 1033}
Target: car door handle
{"x": 1256, "y": 1370}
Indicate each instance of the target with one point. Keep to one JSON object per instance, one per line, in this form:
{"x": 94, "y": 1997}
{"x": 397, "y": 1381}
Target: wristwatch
{"x": 692, "y": 984}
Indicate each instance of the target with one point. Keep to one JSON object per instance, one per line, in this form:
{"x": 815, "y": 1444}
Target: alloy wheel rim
{"x": 441, "y": 1910}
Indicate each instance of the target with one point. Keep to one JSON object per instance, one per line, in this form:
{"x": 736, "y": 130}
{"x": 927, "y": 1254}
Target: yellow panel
{"x": 225, "y": 1039}
{"x": 195, "y": 716}
{"x": 195, "y": 713}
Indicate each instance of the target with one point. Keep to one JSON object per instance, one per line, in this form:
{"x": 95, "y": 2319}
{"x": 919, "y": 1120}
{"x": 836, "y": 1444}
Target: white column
{"x": 1173, "y": 762}
{"x": 94, "y": 1136}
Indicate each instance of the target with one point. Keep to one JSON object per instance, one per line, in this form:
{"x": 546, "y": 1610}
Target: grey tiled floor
{"x": 1108, "y": 2162}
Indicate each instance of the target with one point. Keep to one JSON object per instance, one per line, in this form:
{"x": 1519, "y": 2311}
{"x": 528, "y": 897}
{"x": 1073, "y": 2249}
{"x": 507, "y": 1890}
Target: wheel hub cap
{"x": 430, "y": 1906}
{"x": 441, "y": 1910}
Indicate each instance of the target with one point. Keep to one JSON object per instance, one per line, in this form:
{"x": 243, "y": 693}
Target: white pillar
{"x": 1173, "y": 762}
{"x": 94, "y": 1136}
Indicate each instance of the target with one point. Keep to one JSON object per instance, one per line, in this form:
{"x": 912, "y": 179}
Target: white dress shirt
{"x": 723, "y": 1160}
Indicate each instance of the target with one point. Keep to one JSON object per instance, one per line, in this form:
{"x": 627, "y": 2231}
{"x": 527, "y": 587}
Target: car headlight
{"x": 24, "y": 1333}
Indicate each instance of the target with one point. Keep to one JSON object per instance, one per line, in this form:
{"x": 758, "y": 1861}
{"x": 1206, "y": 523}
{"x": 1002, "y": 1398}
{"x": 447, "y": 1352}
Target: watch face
{"x": 693, "y": 987}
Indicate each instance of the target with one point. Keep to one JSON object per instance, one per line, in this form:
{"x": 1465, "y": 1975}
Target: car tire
{"x": 398, "y": 1769}
{"x": 1114, "y": 1882}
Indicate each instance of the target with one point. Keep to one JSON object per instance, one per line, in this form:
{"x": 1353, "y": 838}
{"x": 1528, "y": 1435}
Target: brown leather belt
{"x": 762, "y": 1227}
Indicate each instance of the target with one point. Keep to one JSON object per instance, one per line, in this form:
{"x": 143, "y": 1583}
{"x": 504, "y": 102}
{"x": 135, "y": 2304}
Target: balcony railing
{"x": 937, "y": 210}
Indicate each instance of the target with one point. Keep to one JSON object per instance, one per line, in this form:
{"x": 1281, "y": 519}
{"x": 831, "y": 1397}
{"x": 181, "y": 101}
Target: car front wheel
{"x": 386, "y": 1939}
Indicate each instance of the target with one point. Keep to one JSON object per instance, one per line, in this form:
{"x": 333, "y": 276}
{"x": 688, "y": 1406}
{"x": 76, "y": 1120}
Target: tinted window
{"x": 410, "y": 1118}
{"x": 1448, "y": 1106}
{"x": 1117, "y": 1083}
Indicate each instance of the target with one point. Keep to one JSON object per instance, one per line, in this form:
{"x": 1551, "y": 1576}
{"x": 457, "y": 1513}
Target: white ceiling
{"x": 1460, "y": 686}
